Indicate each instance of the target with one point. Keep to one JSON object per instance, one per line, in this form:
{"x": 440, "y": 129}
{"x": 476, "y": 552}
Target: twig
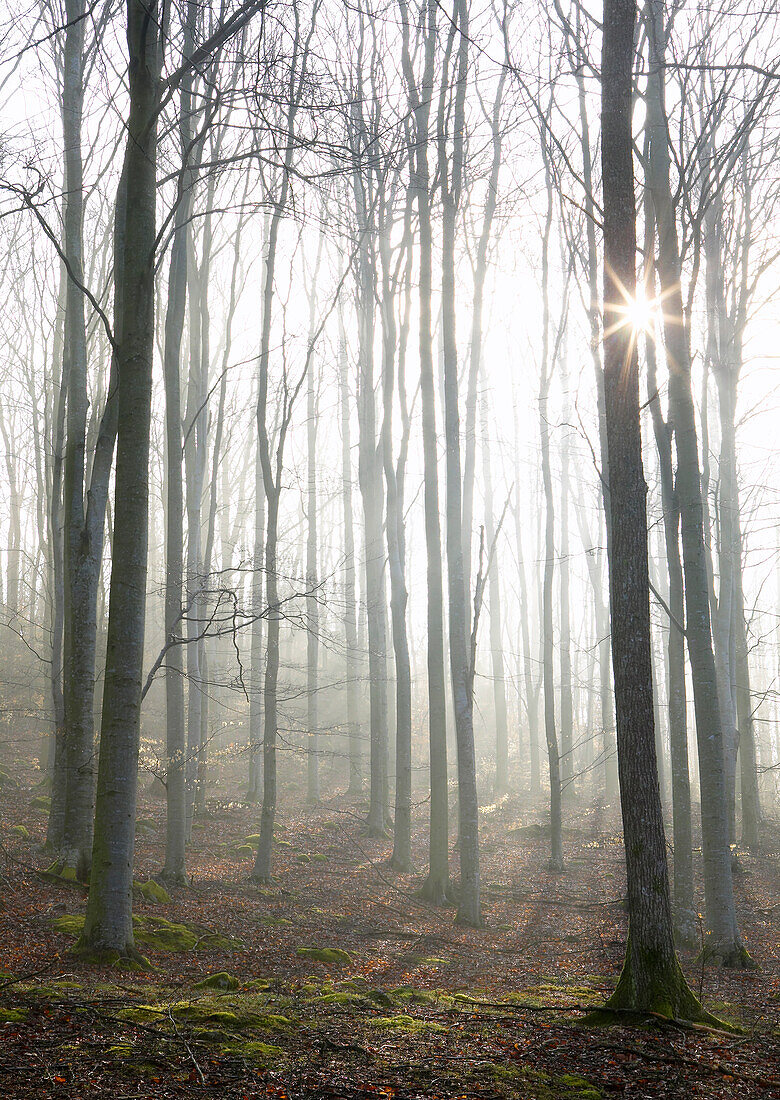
{"x": 187, "y": 1047}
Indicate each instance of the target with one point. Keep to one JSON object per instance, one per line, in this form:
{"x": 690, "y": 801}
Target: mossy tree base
{"x": 731, "y": 956}
{"x": 666, "y": 994}
{"x": 126, "y": 957}
{"x": 437, "y": 891}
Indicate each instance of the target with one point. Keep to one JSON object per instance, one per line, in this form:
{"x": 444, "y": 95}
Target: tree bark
{"x": 651, "y": 978}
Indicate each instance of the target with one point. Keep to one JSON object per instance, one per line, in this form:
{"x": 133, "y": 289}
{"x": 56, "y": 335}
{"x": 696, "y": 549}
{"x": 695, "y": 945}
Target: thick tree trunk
{"x": 108, "y": 924}
{"x": 651, "y": 977}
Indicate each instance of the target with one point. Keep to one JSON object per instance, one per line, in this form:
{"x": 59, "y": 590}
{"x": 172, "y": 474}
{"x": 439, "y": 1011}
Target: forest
{"x": 389, "y": 549}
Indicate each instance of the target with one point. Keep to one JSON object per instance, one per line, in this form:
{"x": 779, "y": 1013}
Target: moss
{"x": 142, "y": 1014}
{"x": 666, "y": 993}
{"x": 6, "y": 779}
{"x": 264, "y": 1054}
{"x": 222, "y": 980}
{"x": 41, "y": 804}
{"x": 252, "y": 840}
{"x": 325, "y": 954}
{"x": 12, "y": 1015}
{"x": 61, "y": 872}
{"x": 158, "y": 933}
{"x": 578, "y": 1086}
{"x": 319, "y": 857}
{"x": 70, "y": 924}
{"x": 21, "y": 830}
{"x": 405, "y": 1023}
{"x": 303, "y": 858}
{"x": 145, "y": 826}
{"x": 340, "y": 997}
{"x": 153, "y": 892}
{"x": 410, "y": 995}
{"x": 379, "y": 997}
{"x": 276, "y": 922}
{"x": 164, "y": 935}
{"x": 244, "y": 850}
{"x": 258, "y": 984}
{"x": 121, "y": 1050}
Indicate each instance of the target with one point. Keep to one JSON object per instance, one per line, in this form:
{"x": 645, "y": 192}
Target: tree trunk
{"x": 548, "y": 671}
{"x": 350, "y": 597}
{"x": 175, "y": 870}
{"x": 723, "y": 934}
{"x": 651, "y": 978}
{"x": 108, "y": 924}
{"x": 682, "y": 828}
{"x": 437, "y": 884}
{"x": 469, "y": 910}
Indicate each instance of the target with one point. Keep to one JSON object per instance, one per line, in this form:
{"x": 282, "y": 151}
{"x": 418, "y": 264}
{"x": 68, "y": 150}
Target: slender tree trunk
{"x": 79, "y": 567}
{"x": 567, "y": 702}
{"x": 723, "y": 933}
{"x": 496, "y": 628}
{"x": 682, "y": 828}
{"x": 396, "y": 550}
{"x": 175, "y": 870}
{"x": 312, "y": 596}
{"x": 350, "y": 598}
{"x": 437, "y": 884}
{"x": 469, "y": 910}
{"x": 548, "y": 669}
{"x": 594, "y": 321}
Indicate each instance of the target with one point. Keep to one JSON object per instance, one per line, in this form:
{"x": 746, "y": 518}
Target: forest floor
{"x": 336, "y": 982}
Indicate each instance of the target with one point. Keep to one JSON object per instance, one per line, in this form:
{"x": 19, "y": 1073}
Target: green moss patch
{"x": 222, "y": 980}
{"x": 153, "y": 892}
{"x": 325, "y": 954}
{"x": 21, "y": 830}
{"x": 12, "y": 1015}
{"x": 405, "y": 1023}
{"x": 41, "y": 804}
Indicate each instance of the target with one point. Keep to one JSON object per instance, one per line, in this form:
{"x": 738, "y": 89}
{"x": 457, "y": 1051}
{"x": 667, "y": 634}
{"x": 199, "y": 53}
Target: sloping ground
{"x": 337, "y": 982}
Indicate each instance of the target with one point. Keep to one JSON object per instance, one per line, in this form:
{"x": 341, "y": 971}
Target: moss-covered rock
{"x": 221, "y": 980}
{"x": 325, "y": 954}
{"x": 41, "y": 804}
{"x": 21, "y": 830}
{"x": 152, "y": 891}
{"x": 6, "y": 779}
